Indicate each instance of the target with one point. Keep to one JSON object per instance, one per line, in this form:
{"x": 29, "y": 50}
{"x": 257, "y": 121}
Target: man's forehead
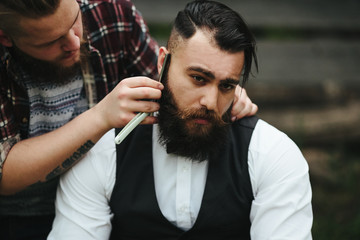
{"x": 201, "y": 52}
{"x": 52, "y": 25}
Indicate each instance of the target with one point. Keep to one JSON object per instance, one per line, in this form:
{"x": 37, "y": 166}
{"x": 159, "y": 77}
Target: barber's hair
{"x": 226, "y": 26}
{"x": 11, "y": 12}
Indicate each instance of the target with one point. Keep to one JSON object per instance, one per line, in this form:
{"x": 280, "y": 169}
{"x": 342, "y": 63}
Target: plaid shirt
{"x": 120, "y": 46}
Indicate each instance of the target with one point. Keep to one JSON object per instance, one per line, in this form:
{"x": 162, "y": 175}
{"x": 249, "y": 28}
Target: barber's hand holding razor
{"x": 127, "y": 99}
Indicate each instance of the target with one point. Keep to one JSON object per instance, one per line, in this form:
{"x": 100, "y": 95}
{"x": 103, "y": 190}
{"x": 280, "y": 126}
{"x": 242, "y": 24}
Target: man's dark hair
{"x": 229, "y": 30}
{"x": 11, "y": 12}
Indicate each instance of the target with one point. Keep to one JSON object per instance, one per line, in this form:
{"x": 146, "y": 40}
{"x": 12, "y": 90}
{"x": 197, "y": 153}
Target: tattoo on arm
{"x": 68, "y": 163}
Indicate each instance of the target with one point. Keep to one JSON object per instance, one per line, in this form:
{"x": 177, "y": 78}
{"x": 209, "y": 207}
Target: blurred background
{"x": 308, "y": 86}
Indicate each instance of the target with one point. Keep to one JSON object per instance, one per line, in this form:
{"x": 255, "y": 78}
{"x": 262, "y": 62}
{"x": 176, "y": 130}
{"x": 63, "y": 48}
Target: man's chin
{"x": 191, "y": 140}
{"x": 60, "y": 70}
{"x": 198, "y": 130}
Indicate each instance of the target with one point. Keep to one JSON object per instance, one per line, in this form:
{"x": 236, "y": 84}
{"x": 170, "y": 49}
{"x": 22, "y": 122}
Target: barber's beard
{"x": 47, "y": 71}
{"x": 181, "y": 135}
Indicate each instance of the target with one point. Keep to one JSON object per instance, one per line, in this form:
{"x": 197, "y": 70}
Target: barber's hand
{"x": 126, "y": 99}
{"x": 243, "y": 105}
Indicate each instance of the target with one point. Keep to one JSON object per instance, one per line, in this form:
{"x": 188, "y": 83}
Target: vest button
{"x": 24, "y": 120}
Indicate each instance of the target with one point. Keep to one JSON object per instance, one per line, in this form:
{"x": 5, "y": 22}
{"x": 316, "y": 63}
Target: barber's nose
{"x": 71, "y": 42}
{"x": 210, "y": 98}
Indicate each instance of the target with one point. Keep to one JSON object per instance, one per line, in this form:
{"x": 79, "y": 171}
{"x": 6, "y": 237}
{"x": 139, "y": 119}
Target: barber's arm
{"x": 43, "y": 157}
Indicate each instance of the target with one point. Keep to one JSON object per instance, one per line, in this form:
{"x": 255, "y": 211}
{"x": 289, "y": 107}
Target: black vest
{"x": 225, "y": 208}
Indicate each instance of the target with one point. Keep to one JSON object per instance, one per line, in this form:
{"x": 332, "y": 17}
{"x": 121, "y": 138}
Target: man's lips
{"x": 202, "y": 121}
{"x": 70, "y": 54}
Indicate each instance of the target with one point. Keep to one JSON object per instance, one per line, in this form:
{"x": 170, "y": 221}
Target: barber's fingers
{"x": 127, "y": 99}
{"x": 243, "y": 106}
{"x": 144, "y": 106}
{"x": 138, "y": 88}
{"x": 135, "y": 82}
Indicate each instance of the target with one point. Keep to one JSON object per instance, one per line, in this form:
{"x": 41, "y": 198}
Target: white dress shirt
{"x": 281, "y": 208}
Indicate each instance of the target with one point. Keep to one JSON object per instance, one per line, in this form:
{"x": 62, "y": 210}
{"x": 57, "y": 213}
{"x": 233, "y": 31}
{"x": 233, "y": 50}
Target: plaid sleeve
{"x": 144, "y": 49}
{"x": 8, "y": 129}
{"x": 7, "y": 118}
{"x": 5, "y": 147}
{"x": 119, "y": 33}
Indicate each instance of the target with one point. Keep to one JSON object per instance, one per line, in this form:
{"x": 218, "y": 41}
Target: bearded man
{"x": 67, "y": 76}
{"x": 195, "y": 174}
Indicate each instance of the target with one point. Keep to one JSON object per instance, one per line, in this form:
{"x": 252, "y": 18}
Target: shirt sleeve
{"x": 5, "y": 147}
{"x": 279, "y": 174}
{"x": 142, "y": 48}
{"x": 82, "y": 201}
{"x": 8, "y": 126}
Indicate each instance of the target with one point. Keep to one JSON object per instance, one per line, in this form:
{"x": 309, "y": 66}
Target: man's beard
{"x": 46, "y": 71}
{"x": 182, "y": 136}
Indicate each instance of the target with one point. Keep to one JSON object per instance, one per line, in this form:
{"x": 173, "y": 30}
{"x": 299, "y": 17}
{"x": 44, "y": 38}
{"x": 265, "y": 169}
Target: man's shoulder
{"x": 267, "y": 138}
{"x": 259, "y": 131}
{"x": 258, "y": 125}
{"x": 247, "y": 122}
{"x": 98, "y": 161}
{"x": 89, "y": 4}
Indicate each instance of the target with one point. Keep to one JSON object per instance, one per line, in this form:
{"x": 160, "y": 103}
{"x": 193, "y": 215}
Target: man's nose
{"x": 71, "y": 41}
{"x": 209, "y": 98}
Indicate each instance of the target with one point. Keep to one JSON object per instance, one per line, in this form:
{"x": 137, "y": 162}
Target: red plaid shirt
{"x": 120, "y": 47}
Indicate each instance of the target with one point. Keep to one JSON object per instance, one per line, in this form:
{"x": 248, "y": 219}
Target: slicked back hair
{"x": 227, "y": 27}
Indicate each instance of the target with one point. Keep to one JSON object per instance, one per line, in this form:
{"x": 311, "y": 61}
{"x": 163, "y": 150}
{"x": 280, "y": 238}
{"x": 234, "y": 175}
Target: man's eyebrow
{"x": 210, "y": 75}
{"x": 44, "y": 44}
{"x": 203, "y": 71}
{"x": 230, "y": 81}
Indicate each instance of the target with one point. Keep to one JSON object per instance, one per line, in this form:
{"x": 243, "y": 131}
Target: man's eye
{"x": 227, "y": 87}
{"x": 198, "y": 79}
{"x": 48, "y": 44}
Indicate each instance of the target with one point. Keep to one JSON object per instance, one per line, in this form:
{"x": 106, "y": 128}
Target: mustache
{"x": 204, "y": 113}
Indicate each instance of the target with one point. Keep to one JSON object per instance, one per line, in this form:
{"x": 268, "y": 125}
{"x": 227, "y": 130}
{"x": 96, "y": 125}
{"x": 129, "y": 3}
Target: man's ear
{"x": 5, "y": 39}
{"x": 162, "y": 52}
